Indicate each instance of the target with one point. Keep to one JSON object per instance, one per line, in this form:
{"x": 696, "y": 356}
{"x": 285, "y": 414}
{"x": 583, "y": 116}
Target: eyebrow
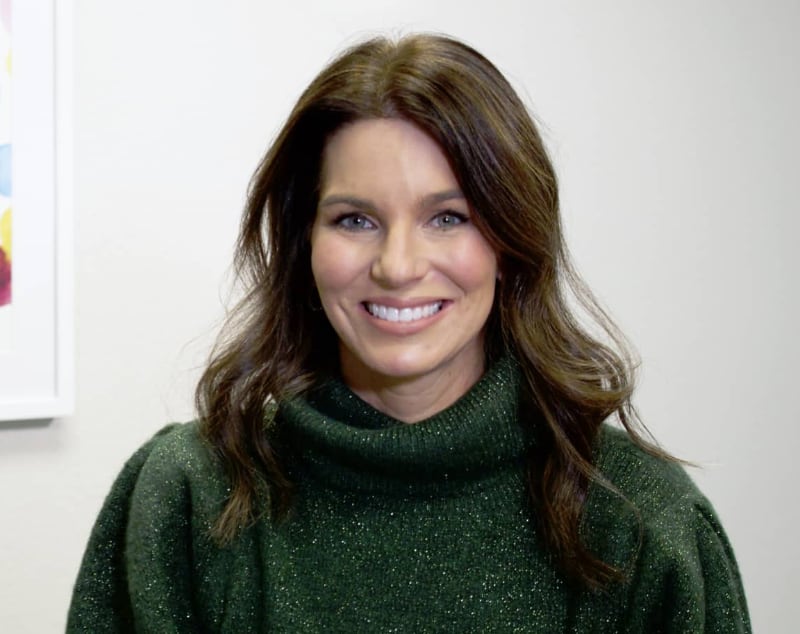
{"x": 360, "y": 203}
{"x": 440, "y": 197}
{"x": 363, "y": 203}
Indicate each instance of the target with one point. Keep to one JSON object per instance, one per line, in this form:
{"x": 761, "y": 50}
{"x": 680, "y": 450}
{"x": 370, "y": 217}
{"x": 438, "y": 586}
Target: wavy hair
{"x": 275, "y": 346}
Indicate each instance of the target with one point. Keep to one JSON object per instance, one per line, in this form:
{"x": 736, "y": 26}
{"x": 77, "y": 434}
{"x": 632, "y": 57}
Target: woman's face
{"x": 404, "y": 276}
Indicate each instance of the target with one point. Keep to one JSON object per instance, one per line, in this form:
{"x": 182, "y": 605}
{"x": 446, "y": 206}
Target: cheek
{"x": 475, "y": 267}
{"x": 333, "y": 267}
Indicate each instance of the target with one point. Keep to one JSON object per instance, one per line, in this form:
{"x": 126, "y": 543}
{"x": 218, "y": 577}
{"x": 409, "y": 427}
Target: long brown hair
{"x": 275, "y": 344}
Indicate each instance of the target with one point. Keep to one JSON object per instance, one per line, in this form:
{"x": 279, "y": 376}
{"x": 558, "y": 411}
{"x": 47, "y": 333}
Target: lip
{"x": 408, "y": 327}
{"x": 394, "y": 302}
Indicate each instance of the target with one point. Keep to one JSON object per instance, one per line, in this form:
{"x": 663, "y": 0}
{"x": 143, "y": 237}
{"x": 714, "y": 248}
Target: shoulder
{"x": 165, "y": 459}
{"x": 651, "y": 483}
{"x": 173, "y": 475}
{"x": 144, "y": 528}
{"x": 160, "y": 470}
{"x": 177, "y": 469}
{"x": 643, "y": 501}
{"x": 658, "y": 526}
{"x": 177, "y": 448}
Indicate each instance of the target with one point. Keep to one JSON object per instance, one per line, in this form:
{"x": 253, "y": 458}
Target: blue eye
{"x": 447, "y": 219}
{"x": 354, "y": 222}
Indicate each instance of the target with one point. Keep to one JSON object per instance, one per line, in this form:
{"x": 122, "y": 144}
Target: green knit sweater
{"x": 400, "y": 528}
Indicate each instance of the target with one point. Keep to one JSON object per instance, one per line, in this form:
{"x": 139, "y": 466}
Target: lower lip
{"x": 406, "y": 327}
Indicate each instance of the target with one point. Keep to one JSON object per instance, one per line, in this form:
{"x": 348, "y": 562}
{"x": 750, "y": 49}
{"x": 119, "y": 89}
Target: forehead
{"x": 389, "y": 155}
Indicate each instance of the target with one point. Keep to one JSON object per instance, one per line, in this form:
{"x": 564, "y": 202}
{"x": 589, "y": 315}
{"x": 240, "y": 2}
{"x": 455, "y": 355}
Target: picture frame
{"x": 36, "y": 325}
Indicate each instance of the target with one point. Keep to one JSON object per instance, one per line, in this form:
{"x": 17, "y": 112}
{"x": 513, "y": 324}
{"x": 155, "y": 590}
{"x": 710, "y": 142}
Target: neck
{"x": 411, "y": 399}
{"x": 344, "y": 442}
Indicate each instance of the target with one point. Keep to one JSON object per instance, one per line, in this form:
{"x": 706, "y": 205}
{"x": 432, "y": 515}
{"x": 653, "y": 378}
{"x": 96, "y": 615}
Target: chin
{"x": 406, "y": 365}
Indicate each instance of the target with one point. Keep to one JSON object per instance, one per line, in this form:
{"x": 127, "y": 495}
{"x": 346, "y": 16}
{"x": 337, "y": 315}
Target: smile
{"x": 403, "y": 315}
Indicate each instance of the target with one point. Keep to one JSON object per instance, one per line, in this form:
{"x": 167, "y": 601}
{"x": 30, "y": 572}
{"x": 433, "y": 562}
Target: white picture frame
{"x": 36, "y": 333}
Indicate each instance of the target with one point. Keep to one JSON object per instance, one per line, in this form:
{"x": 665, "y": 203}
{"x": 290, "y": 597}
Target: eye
{"x": 447, "y": 219}
{"x": 354, "y": 222}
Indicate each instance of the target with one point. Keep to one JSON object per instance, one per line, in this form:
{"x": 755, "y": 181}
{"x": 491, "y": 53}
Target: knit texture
{"x": 401, "y": 528}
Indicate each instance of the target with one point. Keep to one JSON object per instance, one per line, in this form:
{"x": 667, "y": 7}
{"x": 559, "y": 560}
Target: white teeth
{"x": 389, "y": 313}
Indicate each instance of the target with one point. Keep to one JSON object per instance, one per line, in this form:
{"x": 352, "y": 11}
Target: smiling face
{"x": 404, "y": 276}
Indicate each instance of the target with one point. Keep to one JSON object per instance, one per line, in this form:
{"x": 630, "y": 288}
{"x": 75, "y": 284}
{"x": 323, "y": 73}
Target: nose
{"x": 401, "y": 258}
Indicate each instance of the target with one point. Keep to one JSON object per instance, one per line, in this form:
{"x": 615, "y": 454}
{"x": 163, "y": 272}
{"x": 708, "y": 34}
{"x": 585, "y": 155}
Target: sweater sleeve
{"x": 689, "y": 582}
{"x": 135, "y": 572}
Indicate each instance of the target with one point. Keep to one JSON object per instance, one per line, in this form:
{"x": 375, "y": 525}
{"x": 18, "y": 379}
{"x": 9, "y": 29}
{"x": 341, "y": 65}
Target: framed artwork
{"x": 36, "y": 319}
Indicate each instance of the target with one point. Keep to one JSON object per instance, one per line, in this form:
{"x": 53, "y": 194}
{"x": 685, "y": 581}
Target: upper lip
{"x": 394, "y": 302}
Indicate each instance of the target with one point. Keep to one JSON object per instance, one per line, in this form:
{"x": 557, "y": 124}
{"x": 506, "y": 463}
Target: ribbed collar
{"x": 344, "y": 442}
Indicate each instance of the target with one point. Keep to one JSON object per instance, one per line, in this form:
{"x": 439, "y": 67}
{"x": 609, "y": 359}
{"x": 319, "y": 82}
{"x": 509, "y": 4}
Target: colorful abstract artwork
{"x": 36, "y": 311}
{"x": 5, "y": 152}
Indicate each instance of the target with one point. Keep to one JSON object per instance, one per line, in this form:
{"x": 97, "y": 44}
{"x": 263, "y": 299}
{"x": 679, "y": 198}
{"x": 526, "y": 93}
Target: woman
{"x": 404, "y": 429}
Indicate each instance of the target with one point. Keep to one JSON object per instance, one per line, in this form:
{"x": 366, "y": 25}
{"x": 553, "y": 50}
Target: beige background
{"x": 673, "y": 126}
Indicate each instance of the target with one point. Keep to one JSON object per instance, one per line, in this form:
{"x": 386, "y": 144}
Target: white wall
{"x": 673, "y": 127}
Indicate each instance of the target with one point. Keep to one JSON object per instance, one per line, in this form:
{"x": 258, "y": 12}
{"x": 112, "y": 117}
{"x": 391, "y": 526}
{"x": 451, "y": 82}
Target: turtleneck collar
{"x": 341, "y": 440}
